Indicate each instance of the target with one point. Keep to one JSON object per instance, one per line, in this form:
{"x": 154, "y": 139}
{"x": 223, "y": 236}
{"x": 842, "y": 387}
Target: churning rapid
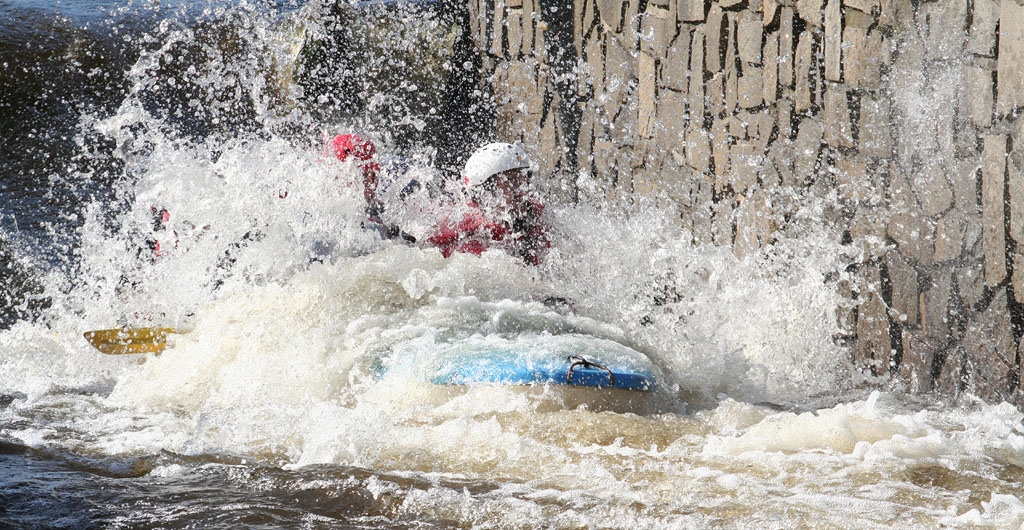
{"x": 163, "y": 165}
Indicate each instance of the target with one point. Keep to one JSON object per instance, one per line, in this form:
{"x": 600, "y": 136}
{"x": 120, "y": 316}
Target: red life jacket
{"x": 525, "y": 236}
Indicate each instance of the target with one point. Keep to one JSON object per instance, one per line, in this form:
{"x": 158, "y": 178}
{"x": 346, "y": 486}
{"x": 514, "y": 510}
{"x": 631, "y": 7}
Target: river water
{"x": 275, "y": 407}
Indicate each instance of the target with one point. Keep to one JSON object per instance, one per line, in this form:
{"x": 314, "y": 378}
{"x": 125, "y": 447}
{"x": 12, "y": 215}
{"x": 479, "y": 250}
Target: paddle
{"x": 120, "y": 341}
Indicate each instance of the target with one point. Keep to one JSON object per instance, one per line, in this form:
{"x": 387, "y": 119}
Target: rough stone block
{"x": 624, "y": 128}
{"x": 780, "y": 156}
{"x": 892, "y": 11}
{"x": 548, "y": 140}
{"x": 750, "y": 88}
{"x": 498, "y": 29}
{"x": 993, "y": 180}
{"x": 905, "y": 295}
{"x": 754, "y": 6}
{"x": 701, "y": 201}
{"x": 953, "y": 371}
{"x": 530, "y": 27}
{"x": 697, "y": 93}
{"x": 811, "y": 11}
{"x": 918, "y": 354}
{"x": 477, "y": 24}
{"x": 964, "y": 177}
{"x": 648, "y": 181}
{"x": 1010, "y": 72}
{"x": 875, "y": 122}
{"x": 786, "y": 57}
{"x": 676, "y": 179}
{"x": 855, "y": 55}
{"x": 805, "y": 63}
{"x": 595, "y": 68}
{"x": 1015, "y": 183}
{"x": 973, "y": 235}
{"x": 692, "y": 10}
{"x": 949, "y": 237}
{"x": 942, "y": 124}
{"x": 838, "y": 127}
{"x": 769, "y": 8}
{"x": 990, "y": 350}
{"x": 933, "y": 191}
{"x": 722, "y": 223}
{"x": 770, "y": 80}
{"x": 981, "y": 36}
{"x": 647, "y": 95}
{"x": 945, "y": 31}
{"x": 714, "y": 93}
{"x": 935, "y": 304}
{"x": 672, "y": 118}
{"x": 1018, "y": 277}
{"x": 784, "y": 111}
{"x": 806, "y": 148}
{"x": 518, "y": 87}
{"x": 514, "y": 22}
{"x": 714, "y": 29}
{"x": 585, "y": 22}
{"x": 867, "y": 229}
{"x": 970, "y": 280}
{"x": 977, "y": 95}
{"x": 833, "y": 41}
{"x": 857, "y": 19}
{"x": 863, "y": 57}
{"x": 604, "y": 161}
{"x": 721, "y": 141}
{"x": 736, "y": 126}
{"x": 675, "y": 69}
{"x": 612, "y": 13}
{"x": 620, "y": 76}
{"x": 855, "y": 182}
{"x": 909, "y": 227}
{"x": 754, "y": 224}
{"x": 746, "y": 159}
{"x": 865, "y": 6}
{"x": 698, "y": 149}
{"x": 731, "y": 71}
{"x": 750, "y": 33}
{"x": 658, "y": 30}
{"x": 873, "y": 352}
{"x": 759, "y": 127}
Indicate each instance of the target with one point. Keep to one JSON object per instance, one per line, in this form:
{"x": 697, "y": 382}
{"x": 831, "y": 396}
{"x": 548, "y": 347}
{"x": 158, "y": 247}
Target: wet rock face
{"x": 904, "y": 114}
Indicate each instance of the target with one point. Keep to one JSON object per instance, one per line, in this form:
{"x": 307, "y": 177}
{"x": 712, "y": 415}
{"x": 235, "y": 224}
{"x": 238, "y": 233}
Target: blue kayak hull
{"x": 511, "y": 369}
{"x": 576, "y": 362}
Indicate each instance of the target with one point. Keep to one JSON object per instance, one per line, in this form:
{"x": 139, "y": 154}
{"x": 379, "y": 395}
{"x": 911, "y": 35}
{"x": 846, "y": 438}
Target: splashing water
{"x": 273, "y": 404}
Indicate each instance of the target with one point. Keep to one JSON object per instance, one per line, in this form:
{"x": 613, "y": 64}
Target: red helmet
{"x": 345, "y": 145}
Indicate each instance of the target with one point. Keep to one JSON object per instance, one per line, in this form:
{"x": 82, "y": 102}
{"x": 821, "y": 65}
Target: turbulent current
{"x": 163, "y": 165}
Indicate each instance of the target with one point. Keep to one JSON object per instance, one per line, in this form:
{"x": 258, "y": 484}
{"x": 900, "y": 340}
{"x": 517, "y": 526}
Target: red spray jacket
{"x": 525, "y": 236}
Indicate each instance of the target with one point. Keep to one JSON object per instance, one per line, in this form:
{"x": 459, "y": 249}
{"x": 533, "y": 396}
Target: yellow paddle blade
{"x": 120, "y": 341}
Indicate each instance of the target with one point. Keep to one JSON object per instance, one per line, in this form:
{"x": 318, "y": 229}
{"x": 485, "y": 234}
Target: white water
{"x": 278, "y": 365}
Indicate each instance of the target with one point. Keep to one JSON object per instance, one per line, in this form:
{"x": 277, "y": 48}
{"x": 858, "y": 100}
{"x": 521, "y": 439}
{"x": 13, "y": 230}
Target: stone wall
{"x": 900, "y": 116}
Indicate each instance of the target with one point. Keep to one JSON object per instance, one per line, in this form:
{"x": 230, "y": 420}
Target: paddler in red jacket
{"x": 361, "y": 151}
{"x": 501, "y": 212}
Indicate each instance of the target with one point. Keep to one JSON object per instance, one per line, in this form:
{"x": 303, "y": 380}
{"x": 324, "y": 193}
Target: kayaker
{"x": 501, "y": 212}
{"x": 361, "y": 151}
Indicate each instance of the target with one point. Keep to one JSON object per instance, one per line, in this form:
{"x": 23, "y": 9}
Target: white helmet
{"x": 492, "y": 159}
